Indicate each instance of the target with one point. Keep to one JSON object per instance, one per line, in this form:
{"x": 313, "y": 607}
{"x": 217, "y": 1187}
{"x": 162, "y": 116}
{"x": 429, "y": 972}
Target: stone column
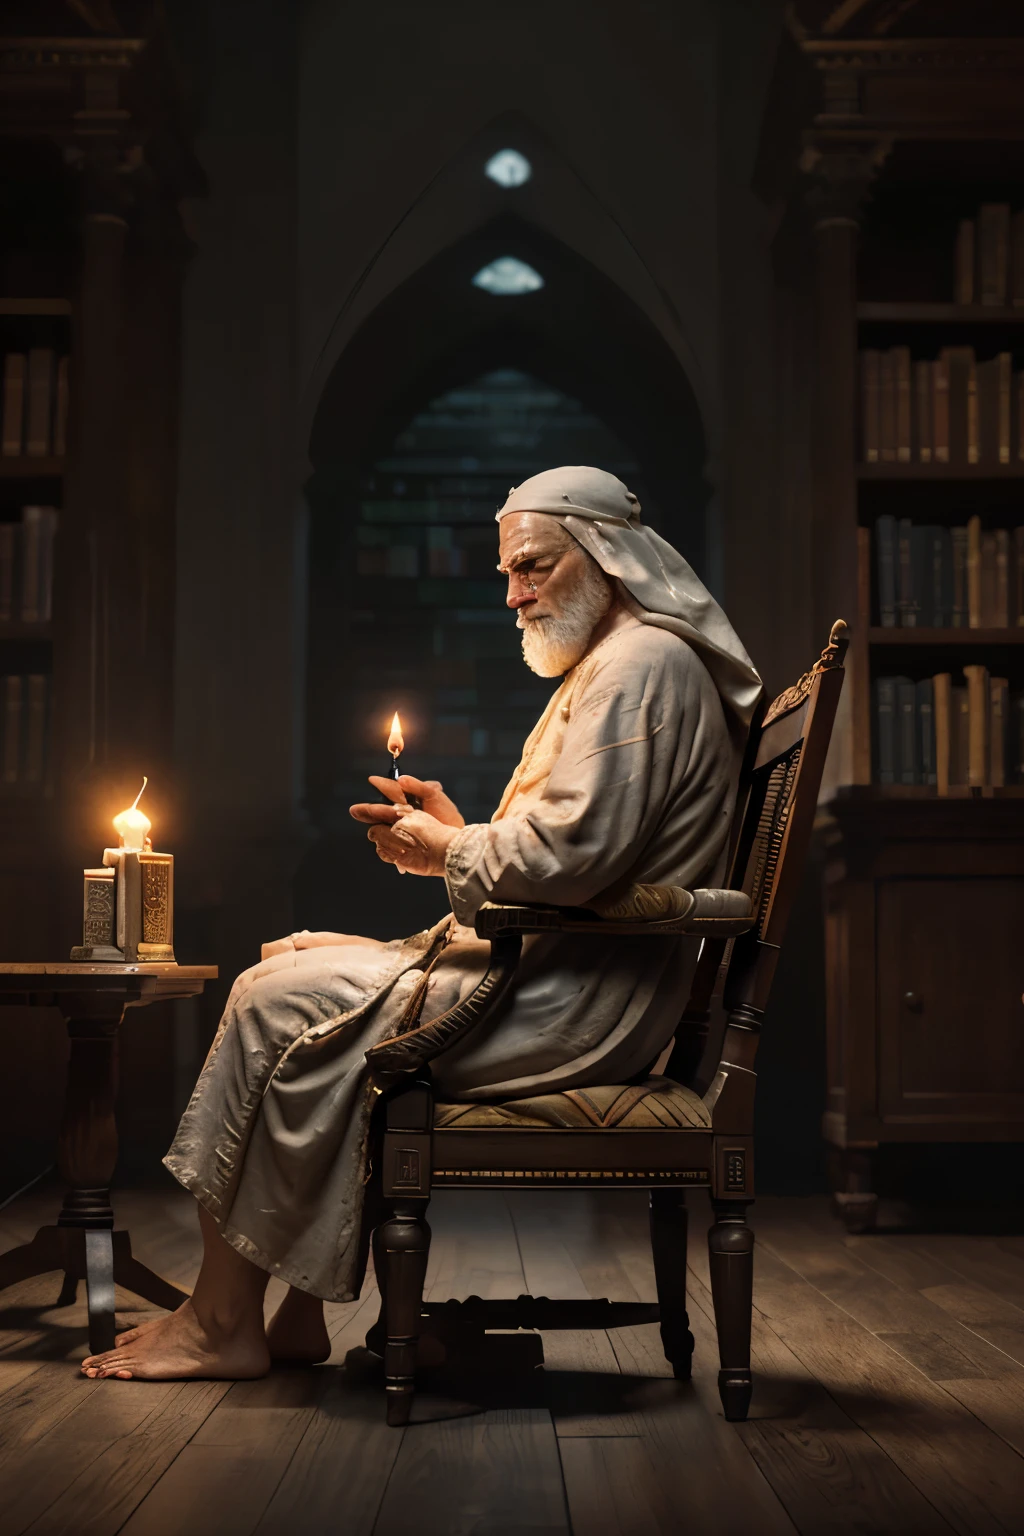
{"x": 87, "y": 573}
{"x": 842, "y": 176}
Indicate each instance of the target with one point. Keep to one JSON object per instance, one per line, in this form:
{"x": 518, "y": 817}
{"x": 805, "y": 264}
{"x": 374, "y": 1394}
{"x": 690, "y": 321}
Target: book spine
{"x": 1017, "y": 737}
{"x": 869, "y": 387}
{"x": 977, "y": 725}
{"x": 905, "y": 586}
{"x": 885, "y": 555}
{"x": 907, "y": 748}
{"x": 923, "y": 412}
{"x": 1001, "y": 606}
{"x": 12, "y": 433}
{"x": 60, "y": 410}
{"x": 901, "y": 371}
{"x": 960, "y": 610}
{"x": 1017, "y": 260}
{"x": 988, "y": 581}
{"x": 35, "y": 729}
{"x": 12, "y": 729}
{"x": 926, "y": 731}
{"x": 988, "y": 411}
{"x": 993, "y": 251}
{"x": 1018, "y": 576}
{"x": 887, "y": 408}
{"x": 31, "y": 562}
{"x": 940, "y": 410}
{"x": 963, "y": 263}
{"x": 974, "y": 572}
{"x": 8, "y": 556}
{"x": 958, "y": 361}
{"x": 938, "y": 612}
{"x": 973, "y": 436}
{"x": 1004, "y": 366}
{"x": 942, "y": 717}
{"x": 959, "y": 754}
{"x": 999, "y": 704}
{"x": 38, "y": 435}
{"x": 885, "y": 729}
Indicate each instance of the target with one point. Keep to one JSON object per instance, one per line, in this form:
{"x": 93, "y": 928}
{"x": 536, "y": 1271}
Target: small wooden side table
{"x": 92, "y": 999}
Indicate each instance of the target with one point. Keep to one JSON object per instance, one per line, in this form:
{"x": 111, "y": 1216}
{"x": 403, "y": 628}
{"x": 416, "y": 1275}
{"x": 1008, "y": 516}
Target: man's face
{"x": 559, "y": 593}
{"x": 542, "y": 562}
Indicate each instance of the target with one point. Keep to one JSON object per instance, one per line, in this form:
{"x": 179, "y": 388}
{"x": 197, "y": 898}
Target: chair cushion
{"x": 656, "y": 1102}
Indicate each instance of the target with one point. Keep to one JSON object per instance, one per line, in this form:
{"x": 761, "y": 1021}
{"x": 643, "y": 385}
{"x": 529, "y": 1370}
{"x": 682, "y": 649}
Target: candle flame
{"x": 396, "y": 741}
{"x": 132, "y": 826}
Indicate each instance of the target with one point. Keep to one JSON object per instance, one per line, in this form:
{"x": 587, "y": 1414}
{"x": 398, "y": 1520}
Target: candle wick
{"x": 138, "y": 797}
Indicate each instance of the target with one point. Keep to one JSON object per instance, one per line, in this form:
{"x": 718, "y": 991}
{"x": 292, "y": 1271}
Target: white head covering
{"x": 655, "y": 581}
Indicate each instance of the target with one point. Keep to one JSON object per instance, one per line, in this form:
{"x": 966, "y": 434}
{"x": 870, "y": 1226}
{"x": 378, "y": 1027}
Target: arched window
{"x": 508, "y": 275}
{"x": 508, "y": 168}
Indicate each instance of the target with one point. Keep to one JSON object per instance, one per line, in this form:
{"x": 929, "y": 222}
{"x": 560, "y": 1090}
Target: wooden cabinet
{"x": 925, "y": 973}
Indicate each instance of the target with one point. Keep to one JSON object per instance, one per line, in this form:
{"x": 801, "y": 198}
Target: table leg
{"x": 83, "y": 1243}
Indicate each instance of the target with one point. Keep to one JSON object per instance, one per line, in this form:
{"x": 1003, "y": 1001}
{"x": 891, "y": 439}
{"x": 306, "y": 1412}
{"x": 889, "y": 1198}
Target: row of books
{"x": 410, "y": 560}
{"x": 941, "y": 733}
{"x": 24, "y": 701}
{"x": 34, "y": 409}
{"x": 945, "y": 410}
{"x": 948, "y": 578}
{"x": 26, "y": 566}
{"x": 989, "y": 257}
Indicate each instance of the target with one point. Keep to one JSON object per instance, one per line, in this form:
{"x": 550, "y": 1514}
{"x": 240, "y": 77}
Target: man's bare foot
{"x": 131, "y": 1334}
{"x": 297, "y": 1330}
{"x": 178, "y": 1348}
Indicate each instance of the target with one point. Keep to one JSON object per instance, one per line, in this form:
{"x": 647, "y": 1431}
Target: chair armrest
{"x": 660, "y": 909}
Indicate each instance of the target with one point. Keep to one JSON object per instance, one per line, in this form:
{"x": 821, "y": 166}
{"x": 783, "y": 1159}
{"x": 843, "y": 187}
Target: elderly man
{"x": 629, "y": 776}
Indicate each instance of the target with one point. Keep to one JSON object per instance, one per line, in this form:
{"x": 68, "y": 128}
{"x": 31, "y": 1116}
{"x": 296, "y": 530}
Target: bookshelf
{"x": 912, "y": 151}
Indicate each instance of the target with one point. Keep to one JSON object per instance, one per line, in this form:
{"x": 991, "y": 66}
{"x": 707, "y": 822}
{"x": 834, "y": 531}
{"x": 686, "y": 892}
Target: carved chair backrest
{"x": 775, "y": 815}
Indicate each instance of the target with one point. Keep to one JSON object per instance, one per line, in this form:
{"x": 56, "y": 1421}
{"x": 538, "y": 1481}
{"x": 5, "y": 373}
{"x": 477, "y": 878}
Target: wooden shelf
{"x": 35, "y": 306}
{"x": 22, "y": 629}
{"x": 897, "y": 635}
{"x": 944, "y": 314}
{"x": 25, "y": 468}
{"x": 941, "y": 471}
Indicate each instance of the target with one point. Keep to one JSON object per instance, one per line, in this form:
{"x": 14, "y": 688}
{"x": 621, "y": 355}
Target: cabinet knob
{"x": 913, "y": 1002}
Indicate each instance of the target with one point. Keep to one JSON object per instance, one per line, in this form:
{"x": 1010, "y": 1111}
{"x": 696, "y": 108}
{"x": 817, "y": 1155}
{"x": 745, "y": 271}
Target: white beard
{"x": 551, "y": 647}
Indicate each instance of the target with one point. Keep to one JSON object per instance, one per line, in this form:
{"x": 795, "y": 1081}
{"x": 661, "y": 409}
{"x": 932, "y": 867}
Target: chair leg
{"x": 731, "y": 1254}
{"x": 668, "y": 1240}
{"x": 403, "y": 1244}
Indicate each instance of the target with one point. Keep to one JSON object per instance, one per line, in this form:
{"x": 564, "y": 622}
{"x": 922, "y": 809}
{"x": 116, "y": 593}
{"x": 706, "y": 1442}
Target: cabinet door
{"x": 950, "y": 978}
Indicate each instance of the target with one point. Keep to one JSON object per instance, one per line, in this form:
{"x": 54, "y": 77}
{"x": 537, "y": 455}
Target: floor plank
{"x": 968, "y": 1473}
{"x": 888, "y": 1394}
{"x": 927, "y": 1327}
{"x": 499, "y": 1472}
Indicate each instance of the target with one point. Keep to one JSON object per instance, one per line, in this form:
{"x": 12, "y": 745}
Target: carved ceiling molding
{"x": 27, "y": 54}
{"x": 839, "y": 178}
{"x": 109, "y": 103}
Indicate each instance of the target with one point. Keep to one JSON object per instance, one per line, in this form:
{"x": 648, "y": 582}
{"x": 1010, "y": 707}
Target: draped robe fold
{"x": 629, "y": 775}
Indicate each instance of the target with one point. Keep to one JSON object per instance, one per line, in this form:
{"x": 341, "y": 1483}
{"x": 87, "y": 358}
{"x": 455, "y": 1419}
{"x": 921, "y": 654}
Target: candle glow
{"x": 132, "y": 826}
{"x": 396, "y": 741}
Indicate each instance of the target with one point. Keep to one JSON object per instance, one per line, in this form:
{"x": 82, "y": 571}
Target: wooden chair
{"x": 667, "y": 1134}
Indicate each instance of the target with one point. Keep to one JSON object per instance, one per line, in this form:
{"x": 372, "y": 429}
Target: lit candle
{"x": 396, "y": 745}
{"x": 132, "y": 826}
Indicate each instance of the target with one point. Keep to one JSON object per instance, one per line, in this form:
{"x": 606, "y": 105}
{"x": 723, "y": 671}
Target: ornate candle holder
{"x": 128, "y": 905}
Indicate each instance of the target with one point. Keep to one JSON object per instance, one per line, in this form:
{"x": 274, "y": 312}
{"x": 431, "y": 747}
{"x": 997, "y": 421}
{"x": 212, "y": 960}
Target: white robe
{"x": 629, "y": 775}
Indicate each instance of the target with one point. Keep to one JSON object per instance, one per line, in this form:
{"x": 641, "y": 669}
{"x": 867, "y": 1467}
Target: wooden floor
{"x": 889, "y": 1396}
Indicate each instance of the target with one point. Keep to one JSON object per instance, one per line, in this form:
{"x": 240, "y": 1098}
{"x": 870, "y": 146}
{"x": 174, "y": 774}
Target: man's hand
{"x": 428, "y": 792}
{"x": 416, "y": 843}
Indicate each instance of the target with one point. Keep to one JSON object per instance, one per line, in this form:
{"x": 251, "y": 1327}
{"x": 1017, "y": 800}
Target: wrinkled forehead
{"x": 529, "y": 536}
